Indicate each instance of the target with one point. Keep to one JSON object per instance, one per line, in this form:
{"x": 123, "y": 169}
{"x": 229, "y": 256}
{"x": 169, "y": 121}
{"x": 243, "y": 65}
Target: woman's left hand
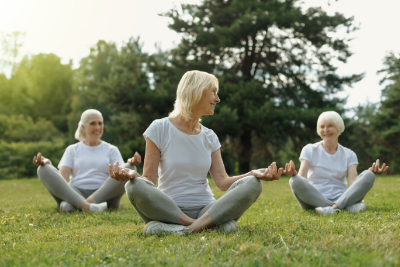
{"x": 135, "y": 160}
{"x": 269, "y": 174}
{"x": 375, "y": 167}
{"x": 121, "y": 174}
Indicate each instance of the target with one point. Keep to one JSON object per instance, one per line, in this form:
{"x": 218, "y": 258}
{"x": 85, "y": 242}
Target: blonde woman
{"x": 321, "y": 182}
{"x": 182, "y": 151}
{"x": 87, "y": 162}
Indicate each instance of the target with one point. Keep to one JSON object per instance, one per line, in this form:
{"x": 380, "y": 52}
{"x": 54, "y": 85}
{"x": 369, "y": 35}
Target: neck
{"x": 188, "y": 126}
{"x": 330, "y": 145}
{"x": 92, "y": 142}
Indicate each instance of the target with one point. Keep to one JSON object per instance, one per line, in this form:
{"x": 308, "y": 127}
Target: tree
{"x": 92, "y": 72}
{"x": 387, "y": 122}
{"x": 275, "y": 63}
{"x": 46, "y": 86}
{"x": 135, "y": 87}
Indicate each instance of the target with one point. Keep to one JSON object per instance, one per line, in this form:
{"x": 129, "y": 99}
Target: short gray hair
{"x": 80, "y": 134}
{"x": 334, "y": 118}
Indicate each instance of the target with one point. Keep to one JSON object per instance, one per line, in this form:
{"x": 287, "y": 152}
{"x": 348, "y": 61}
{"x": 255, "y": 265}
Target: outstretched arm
{"x": 223, "y": 181}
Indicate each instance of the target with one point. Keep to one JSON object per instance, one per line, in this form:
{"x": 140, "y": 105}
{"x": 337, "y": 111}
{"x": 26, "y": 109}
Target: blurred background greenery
{"x": 276, "y": 66}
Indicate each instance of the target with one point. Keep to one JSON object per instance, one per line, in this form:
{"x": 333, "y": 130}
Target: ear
{"x": 83, "y": 128}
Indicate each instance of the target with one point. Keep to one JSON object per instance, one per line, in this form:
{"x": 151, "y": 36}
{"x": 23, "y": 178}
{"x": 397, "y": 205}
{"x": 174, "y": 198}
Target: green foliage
{"x": 17, "y": 128}
{"x": 273, "y": 232}
{"x": 16, "y": 157}
{"x": 275, "y": 64}
{"x": 387, "y": 123}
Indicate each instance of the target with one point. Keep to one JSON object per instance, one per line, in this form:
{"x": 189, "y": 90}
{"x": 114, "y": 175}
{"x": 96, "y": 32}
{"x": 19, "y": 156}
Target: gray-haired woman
{"x": 90, "y": 187}
{"x": 321, "y": 183}
{"x": 182, "y": 152}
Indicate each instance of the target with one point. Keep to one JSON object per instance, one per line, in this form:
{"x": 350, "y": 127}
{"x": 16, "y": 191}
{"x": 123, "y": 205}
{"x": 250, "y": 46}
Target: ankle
{"x": 84, "y": 205}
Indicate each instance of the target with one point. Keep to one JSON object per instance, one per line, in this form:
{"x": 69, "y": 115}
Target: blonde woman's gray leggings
{"x": 154, "y": 205}
{"x": 309, "y": 197}
{"x": 111, "y": 191}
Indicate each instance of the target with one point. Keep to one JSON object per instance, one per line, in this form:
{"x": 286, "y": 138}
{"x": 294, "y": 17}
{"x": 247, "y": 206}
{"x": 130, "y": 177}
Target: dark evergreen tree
{"x": 387, "y": 122}
{"x": 275, "y": 63}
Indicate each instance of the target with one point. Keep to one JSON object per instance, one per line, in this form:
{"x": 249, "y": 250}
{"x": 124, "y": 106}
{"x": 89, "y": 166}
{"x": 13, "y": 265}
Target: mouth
{"x": 212, "y": 105}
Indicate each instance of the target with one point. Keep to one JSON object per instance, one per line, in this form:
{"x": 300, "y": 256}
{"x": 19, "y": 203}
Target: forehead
{"x": 95, "y": 117}
{"x": 326, "y": 122}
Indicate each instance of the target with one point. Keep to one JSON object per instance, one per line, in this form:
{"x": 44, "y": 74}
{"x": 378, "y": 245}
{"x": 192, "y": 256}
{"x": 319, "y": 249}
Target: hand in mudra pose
{"x": 40, "y": 160}
{"x": 268, "y": 174}
{"x": 375, "y": 167}
{"x": 290, "y": 169}
{"x": 122, "y": 174}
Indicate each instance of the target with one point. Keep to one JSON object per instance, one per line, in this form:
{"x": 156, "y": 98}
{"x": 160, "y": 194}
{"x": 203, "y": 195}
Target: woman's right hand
{"x": 268, "y": 174}
{"x": 290, "y": 169}
{"x": 121, "y": 174}
{"x": 40, "y": 160}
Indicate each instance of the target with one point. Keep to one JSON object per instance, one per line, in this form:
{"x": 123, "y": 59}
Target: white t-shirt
{"x": 328, "y": 172}
{"x": 90, "y": 163}
{"x": 184, "y": 162}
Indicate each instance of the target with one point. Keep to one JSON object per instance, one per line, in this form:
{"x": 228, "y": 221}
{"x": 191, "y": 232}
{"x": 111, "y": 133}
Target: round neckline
{"x": 101, "y": 142}
{"x": 201, "y": 130}
{"x": 327, "y": 151}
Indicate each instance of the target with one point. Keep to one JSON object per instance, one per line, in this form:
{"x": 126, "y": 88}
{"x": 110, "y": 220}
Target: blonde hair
{"x": 80, "y": 134}
{"x": 190, "y": 90}
{"x": 334, "y": 118}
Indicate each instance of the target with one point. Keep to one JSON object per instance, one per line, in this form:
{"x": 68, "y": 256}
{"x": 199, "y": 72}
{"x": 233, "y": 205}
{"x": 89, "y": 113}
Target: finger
{"x": 34, "y": 160}
{"x": 377, "y": 163}
{"x": 130, "y": 161}
{"x": 116, "y": 168}
{"x": 387, "y": 168}
{"x": 383, "y": 166}
{"x": 110, "y": 171}
{"x": 39, "y": 158}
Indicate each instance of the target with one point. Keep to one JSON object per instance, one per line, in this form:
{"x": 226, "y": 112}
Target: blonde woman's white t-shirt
{"x": 89, "y": 164}
{"x": 184, "y": 162}
{"x": 328, "y": 172}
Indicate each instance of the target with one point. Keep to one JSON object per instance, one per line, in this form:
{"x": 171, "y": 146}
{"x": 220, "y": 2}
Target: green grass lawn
{"x": 274, "y": 232}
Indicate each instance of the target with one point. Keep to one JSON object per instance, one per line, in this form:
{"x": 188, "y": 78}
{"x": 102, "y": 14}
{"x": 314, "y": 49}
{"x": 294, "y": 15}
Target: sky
{"x": 69, "y": 28}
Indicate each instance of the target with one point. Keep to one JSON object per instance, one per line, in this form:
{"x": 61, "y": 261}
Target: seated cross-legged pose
{"x": 321, "y": 183}
{"x": 182, "y": 151}
{"x": 87, "y": 161}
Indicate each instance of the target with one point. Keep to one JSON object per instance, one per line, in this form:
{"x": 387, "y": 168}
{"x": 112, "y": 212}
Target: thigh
{"x": 240, "y": 196}
{"x": 306, "y": 194}
{"x": 150, "y": 202}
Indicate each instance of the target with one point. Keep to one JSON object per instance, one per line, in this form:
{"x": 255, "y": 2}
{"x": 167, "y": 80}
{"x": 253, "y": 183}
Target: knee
{"x": 42, "y": 170}
{"x": 255, "y": 186}
{"x": 368, "y": 177}
{"x": 296, "y": 183}
{"x": 135, "y": 188}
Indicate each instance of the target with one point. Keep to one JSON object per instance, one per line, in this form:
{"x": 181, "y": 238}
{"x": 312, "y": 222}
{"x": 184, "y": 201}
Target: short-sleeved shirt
{"x": 184, "y": 162}
{"x": 89, "y": 164}
{"x": 328, "y": 172}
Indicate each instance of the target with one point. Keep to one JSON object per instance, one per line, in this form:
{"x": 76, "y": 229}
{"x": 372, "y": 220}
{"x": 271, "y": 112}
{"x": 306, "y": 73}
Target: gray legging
{"x": 309, "y": 197}
{"x": 111, "y": 191}
{"x": 153, "y": 205}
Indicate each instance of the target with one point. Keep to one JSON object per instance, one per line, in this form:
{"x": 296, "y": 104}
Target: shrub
{"x": 16, "y": 157}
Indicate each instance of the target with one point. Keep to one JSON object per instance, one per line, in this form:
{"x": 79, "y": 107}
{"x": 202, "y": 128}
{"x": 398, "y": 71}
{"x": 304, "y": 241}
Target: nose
{"x": 217, "y": 99}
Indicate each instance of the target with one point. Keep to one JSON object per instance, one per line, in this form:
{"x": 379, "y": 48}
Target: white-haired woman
{"x": 321, "y": 182}
{"x": 87, "y": 161}
{"x": 182, "y": 151}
